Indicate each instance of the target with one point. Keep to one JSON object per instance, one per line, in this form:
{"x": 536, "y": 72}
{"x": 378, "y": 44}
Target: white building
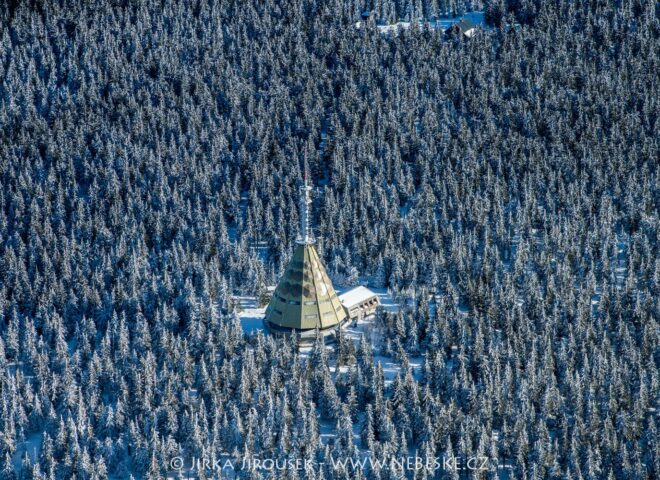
{"x": 359, "y": 302}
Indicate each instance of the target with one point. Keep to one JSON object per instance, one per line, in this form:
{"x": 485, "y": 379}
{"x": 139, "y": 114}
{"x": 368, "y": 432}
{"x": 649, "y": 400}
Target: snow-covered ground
{"x": 31, "y": 446}
{"x": 251, "y": 318}
{"x": 250, "y": 314}
{"x": 251, "y": 321}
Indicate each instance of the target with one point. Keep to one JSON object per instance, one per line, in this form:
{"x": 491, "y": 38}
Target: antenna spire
{"x": 306, "y": 237}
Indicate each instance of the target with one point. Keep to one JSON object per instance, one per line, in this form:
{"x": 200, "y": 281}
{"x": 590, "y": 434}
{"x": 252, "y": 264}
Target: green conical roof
{"x": 305, "y": 298}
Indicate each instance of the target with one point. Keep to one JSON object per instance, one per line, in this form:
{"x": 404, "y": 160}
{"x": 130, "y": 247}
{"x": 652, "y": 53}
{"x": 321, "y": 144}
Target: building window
{"x": 310, "y": 317}
{"x": 293, "y": 302}
{"x": 277, "y": 311}
{"x": 310, "y": 302}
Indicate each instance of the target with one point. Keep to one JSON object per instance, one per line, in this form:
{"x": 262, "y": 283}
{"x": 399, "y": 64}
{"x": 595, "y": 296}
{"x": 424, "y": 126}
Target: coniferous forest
{"x": 504, "y": 188}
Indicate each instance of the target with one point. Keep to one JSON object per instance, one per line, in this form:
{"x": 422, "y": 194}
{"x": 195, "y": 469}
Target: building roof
{"x": 464, "y": 27}
{"x": 356, "y": 296}
{"x": 305, "y": 297}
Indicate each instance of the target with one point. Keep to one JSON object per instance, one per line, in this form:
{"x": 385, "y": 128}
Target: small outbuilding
{"x": 465, "y": 28}
{"x": 359, "y": 302}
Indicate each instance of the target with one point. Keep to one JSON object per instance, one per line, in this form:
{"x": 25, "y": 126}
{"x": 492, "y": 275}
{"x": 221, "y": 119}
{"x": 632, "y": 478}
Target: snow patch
{"x": 250, "y": 315}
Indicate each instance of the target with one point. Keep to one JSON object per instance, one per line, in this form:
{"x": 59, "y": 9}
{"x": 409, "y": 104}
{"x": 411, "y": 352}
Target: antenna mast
{"x": 306, "y": 237}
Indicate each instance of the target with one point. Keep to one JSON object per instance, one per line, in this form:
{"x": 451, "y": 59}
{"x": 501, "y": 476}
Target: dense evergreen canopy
{"x": 506, "y": 188}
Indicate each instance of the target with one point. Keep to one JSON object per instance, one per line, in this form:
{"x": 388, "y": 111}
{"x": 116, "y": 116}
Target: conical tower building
{"x": 304, "y": 299}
